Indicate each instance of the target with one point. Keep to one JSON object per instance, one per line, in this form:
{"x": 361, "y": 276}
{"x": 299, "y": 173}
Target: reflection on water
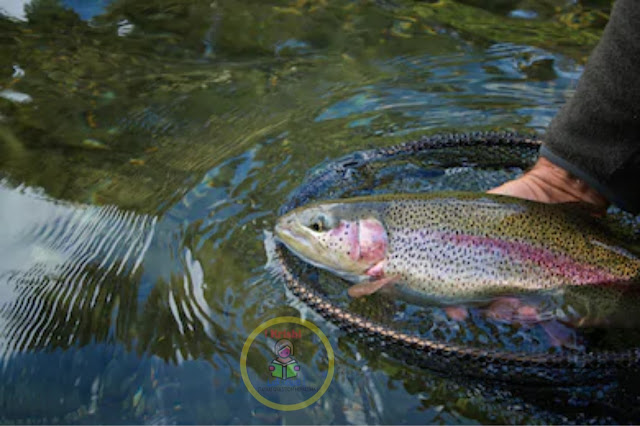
{"x": 147, "y": 146}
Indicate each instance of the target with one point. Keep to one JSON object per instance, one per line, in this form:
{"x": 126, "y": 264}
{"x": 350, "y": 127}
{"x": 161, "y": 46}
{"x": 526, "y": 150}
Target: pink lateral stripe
{"x": 559, "y": 264}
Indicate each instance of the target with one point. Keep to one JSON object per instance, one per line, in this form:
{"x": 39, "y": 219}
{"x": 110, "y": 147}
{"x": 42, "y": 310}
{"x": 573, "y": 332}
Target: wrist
{"x": 558, "y": 185}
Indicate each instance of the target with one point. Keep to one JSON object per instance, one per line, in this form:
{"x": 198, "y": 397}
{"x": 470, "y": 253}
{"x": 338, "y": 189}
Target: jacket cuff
{"x": 576, "y": 171}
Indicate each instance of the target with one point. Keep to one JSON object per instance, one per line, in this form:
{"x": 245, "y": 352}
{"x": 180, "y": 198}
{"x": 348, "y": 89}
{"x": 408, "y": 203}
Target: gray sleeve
{"x": 596, "y": 135}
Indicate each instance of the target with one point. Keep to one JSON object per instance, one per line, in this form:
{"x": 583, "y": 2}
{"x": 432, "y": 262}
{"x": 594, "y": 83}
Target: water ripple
{"x": 517, "y": 83}
{"x": 65, "y": 268}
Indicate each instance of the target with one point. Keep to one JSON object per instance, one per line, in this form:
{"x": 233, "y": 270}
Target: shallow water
{"x": 146, "y": 147}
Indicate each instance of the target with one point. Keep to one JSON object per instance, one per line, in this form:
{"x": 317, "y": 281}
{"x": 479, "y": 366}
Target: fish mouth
{"x": 288, "y": 236}
{"x": 283, "y": 232}
{"x": 298, "y": 244}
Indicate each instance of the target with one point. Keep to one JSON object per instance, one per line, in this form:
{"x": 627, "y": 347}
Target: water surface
{"x": 147, "y": 146}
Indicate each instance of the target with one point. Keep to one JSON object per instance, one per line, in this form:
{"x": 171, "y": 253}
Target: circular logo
{"x": 285, "y": 369}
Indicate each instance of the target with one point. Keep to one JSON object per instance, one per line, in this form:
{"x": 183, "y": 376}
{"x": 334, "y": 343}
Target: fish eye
{"x": 319, "y": 224}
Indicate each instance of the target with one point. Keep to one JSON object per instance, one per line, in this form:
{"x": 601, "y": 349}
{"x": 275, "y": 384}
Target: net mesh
{"x": 424, "y": 335}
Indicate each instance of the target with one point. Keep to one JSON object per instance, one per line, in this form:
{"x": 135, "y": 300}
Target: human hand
{"x": 548, "y": 183}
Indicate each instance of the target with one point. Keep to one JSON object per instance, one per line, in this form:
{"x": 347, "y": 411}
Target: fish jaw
{"x": 293, "y": 240}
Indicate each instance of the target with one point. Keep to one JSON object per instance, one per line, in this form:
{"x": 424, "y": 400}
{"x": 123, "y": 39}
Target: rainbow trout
{"x": 457, "y": 247}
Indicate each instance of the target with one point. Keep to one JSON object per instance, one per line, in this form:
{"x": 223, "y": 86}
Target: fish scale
{"x": 462, "y": 246}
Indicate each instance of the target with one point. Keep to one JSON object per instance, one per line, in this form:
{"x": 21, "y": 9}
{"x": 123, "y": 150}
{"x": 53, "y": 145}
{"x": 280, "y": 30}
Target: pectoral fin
{"x": 370, "y": 287}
